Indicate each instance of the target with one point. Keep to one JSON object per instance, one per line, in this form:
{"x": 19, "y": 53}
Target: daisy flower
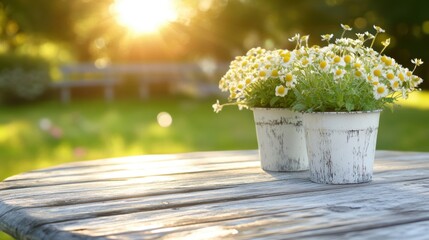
{"x": 395, "y": 84}
{"x": 323, "y": 65}
{"x": 274, "y": 73}
{"x": 347, "y": 59}
{"x": 338, "y": 61}
{"x": 401, "y": 75}
{"x": 281, "y": 91}
{"x": 390, "y": 75}
{"x": 217, "y": 107}
{"x": 338, "y": 73}
{"x": 346, "y": 27}
{"x": 327, "y": 37}
{"x": 417, "y": 61}
{"x": 358, "y": 73}
{"x": 387, "y": 60}
{"x": 380, "y": 91}
{"x": 377, "y": 71}
{"x": 378, "y": 29}
{"x": 263, "y": 73}
{"x": 290, "y": 80}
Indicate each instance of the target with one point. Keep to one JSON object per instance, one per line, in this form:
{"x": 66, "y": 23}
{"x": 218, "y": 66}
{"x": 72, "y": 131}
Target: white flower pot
{"x": 341, "y": 146}
{"x": 281, "y": 139}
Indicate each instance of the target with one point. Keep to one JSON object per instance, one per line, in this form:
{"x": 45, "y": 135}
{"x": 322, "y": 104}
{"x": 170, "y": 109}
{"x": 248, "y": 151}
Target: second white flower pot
{"x": 281, "y": 139}
{"x": 341, "y": 146}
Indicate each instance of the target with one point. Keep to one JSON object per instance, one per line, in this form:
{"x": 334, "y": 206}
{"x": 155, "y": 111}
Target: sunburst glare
{"x": 144, "y": 16}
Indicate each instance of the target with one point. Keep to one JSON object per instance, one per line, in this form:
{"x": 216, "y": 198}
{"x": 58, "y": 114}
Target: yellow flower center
{"x": 380, "y": 90}
{"x": 390, "y": 76}
{"x": 281, "y": 90}
{"x": 384, "y": 59}
{"x": 275, "y": 73}
{"x": 377, "y": 72}
{"x": 357, "y": 65}
{"x": 409, "y": 74}
{"x": 286, "y": 59}
{"x": 285, "y": 54}
{"x": 289, "y": 77}
{"x": 240, "y": 86}
{"x": 389, "y": 62}
{"x": 395, "y": 84}
{"x": 248, "y": 80}
{"x": 401, "y": 76}
{"x": 337, "y": 59}
{"x": 338, "y": 72}
{"x": 323, "y": 64}
{"x": 243, "y": 64}
{"x": 347, "y": 58}
{"x": 375, "y": 83}
{"x": 358, "y": 74}
{"x": 304, "y": 61}
{"x": 262, "y": 74}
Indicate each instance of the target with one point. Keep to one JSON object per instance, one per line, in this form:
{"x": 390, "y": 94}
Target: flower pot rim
{"x": 352, "y": 112}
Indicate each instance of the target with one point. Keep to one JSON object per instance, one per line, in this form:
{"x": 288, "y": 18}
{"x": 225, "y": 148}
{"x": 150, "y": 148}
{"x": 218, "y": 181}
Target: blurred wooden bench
{"x": 214, "y": 195}
{"x": 107, "y": 77}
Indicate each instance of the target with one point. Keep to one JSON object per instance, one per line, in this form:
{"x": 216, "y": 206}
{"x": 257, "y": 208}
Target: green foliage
{"x": 22, "y": 77}
{"x": 261, "y": 94}
{"x": 26, "y": 63}
{"x": 319, "y": 93}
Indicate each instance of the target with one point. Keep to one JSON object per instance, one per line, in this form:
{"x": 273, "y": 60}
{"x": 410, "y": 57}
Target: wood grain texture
{"x": 214, "y": 195}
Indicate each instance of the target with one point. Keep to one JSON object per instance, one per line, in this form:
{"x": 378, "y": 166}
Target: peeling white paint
{"x": 281, "y": 139}
{"x": 341, "y": 146}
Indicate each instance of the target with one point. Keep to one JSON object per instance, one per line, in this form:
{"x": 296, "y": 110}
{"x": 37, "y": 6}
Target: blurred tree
{"x": 228, "y": 28}
{"x": 217, "y": 29}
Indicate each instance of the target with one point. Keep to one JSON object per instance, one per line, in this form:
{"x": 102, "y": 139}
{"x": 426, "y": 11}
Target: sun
{"x": 144, "y": 16}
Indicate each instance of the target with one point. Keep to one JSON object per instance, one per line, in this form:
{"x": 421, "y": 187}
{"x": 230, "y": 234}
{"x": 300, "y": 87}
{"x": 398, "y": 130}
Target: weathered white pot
{"x": 281, "y": 139}
{"x": 341, "y": 146}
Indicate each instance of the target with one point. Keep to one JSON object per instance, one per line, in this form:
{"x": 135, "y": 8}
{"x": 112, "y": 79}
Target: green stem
{"x": 383, "y": 49}
{"x": 373, "y": 40}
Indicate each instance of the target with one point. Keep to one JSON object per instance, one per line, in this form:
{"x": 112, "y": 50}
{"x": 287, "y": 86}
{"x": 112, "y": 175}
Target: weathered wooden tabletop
{"x": 214, "y": 195}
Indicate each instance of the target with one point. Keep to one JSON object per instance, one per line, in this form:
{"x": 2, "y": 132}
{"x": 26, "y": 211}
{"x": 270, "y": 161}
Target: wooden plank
{"x": 90, "y": 167}
{"x": 123, "y": 175}
{"x": 189, "y": 180}
{"x": 122, "y": 204}
{"x": 220, "y": 197}
{"x": 413, "y": 230}
{"x": 297, "y": 215}
{"x": 92, "y": 170}
{"x": 162, "y": 184}
{"x": 186, "y": 181}
{"x": 141, "y": 193}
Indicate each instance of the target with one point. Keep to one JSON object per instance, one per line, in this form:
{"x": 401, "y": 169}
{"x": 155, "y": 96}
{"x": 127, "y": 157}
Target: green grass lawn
{"x": 86, "y": 130}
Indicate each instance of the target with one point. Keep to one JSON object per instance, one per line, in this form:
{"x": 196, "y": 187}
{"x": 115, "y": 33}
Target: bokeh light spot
{"x": 164, "y": 119}
{"x": 425, "y": 27}
{"x": 360, "y": 23}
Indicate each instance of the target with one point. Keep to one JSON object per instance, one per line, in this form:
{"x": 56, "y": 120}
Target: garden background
{"x": 38, "y": 37}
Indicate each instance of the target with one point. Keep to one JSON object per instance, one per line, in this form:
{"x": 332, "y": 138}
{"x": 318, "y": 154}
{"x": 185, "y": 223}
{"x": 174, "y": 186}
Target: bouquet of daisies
{"x": 346, "y": 75}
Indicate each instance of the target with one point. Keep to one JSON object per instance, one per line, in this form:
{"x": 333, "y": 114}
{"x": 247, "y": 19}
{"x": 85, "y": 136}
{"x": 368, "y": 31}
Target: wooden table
{"x": 214, "y": 195}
